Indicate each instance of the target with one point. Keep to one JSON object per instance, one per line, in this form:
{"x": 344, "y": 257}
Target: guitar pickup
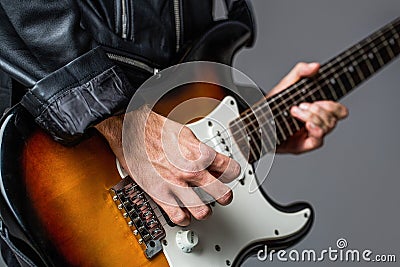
{"x": 140, "y": 215}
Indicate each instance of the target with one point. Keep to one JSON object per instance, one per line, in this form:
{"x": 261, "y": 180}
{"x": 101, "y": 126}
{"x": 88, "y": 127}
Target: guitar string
{"x": 378, "y": 34}
{"x": 390, "y": 28}
{"x": 281, "y": 114}
{"x": 263, "y": 125}
{"x": 324, "y": 76}
{"x": 317, "y": 87}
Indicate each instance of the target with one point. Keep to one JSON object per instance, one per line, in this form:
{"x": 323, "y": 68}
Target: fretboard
{"x": 269, "y": 122}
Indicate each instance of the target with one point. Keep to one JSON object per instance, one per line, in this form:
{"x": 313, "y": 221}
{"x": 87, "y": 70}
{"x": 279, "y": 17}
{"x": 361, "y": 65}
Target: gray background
{"x": 353, "y": 181}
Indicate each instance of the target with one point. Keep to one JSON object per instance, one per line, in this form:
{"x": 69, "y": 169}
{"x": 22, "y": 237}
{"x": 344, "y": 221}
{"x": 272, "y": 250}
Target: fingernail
{"x": 313, "y": 65}
{"x": 304, "y": 106}
{"x": 312, "y": 125}
{"x": 296, "y": 110}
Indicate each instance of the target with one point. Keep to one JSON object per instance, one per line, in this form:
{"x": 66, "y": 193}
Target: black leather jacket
{"x": 76, "y": 56}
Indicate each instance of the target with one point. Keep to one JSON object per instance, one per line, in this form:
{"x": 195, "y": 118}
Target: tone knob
{"x": 186, "y": 240}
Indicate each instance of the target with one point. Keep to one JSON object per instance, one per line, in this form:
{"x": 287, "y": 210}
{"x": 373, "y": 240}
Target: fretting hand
{"x": 320, "y": 117}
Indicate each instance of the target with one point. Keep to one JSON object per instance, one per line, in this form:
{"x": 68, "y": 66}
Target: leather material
{"x": 57, "y": 50}
{"x": 68, "y": 113}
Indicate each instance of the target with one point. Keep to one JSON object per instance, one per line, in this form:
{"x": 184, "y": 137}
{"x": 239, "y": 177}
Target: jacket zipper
{"x": 124, "y": 19}
{"x": 133, "y": 62}
{"x": 177, "y": 11}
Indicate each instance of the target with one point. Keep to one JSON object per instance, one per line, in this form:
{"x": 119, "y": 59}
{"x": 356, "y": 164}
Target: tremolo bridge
{"x": 140, "y": 212}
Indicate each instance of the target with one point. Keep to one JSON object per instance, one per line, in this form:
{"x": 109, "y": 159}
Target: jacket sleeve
{"x": 73, "y": 85}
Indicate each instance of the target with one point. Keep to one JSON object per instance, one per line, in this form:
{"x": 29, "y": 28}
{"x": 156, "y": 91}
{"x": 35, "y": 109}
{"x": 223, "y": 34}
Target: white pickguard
{"x": 249, "y": 218}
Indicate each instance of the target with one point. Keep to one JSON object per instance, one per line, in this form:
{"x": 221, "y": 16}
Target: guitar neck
{"x": 254, "y": 130}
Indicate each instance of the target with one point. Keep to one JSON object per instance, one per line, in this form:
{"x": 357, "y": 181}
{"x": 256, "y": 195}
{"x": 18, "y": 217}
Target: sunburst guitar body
{"x": 70, "y": 205}
{"x": 75, "y": 206}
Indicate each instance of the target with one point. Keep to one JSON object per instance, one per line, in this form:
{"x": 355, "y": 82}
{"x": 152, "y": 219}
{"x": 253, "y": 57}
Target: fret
{"x": 323, "y": 95}
{"x": 364, "y": 69}
{"x": 283, "y": 136}
{"x": 305, "y": 94}
{"x": 284, "y": 116}
{"x": 251, "y": 126}
{"x": 369, "y": 65}
{"x": 338, "y": 79}
{"x": 390, "y": 50}
{"x": 313, "y": 98}
{"x": 332, "y": 90}
{"x": 393, "y": 41}
{"x": 378, "y": 48}
{"x": 247, "y": 140}
{"x": 349, "y": 77}
{"x": 288, "y": 103}
{"x": 317, "y": 92}
{"x": 324, "y": 78}
{"x": 273, "y": 105}
{"x": 357, "y": 78}
{"x": 386, "y": 52}
{"x": 394, "y": 31}
{"x": 354, "y": 66}
{"x": 238, "y": 131}
{"x": 354, "y": 74}
{"x": 373, "y": 55}
{"x": 332, "y": 81}
{"x": 375, "y": 50}
{"x": 265, "y": 119}
{"x": 369, "y": 69}
{"x": 344, "y": 83}
{"x": 388, "y": 47}
{"x": 251, "y": 130}
{"x": 327, "y": 92}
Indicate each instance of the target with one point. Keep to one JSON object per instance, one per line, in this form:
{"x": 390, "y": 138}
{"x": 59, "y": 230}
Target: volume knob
{"x": 186, "y": 240}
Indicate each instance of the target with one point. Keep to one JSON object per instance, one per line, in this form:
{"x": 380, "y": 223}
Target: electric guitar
{"x": 72, "y": 207}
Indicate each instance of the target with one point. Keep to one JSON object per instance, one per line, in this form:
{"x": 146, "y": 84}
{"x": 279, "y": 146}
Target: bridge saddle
{"x": 140, "y": 212}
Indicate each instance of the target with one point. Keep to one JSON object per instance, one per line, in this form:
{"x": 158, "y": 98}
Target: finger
{"x": 337, "y": 109}
{"x": 327, "y": 117}
{"x": 310, "y": 143}
{"x": 193, "y": 203}
{"x": 175, "y": 213}
{"x": 308, "y": 117}
{"x": 227, "y": 168}
{"x": 299, "y": 71}
{"x": 215, "y": 188}
{"x": 315, "y": 131}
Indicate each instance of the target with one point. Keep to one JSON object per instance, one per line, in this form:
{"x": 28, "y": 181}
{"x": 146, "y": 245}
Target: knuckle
{"x": 332, "y": 122}
{"x": 178, "y": 217}
{"x": 345, "y": 111}
{"x": 202, "y": 213}
{"x": 219, "y": 162}
{"x": 320, "y": 134}
{"x": 226, "y": 198}
{"x": 191, "y": 176}
{"x": 331, "y": 103}
{"x": 300, "y": 65}
{"x": 315, "y": 109}
{"x": 316, "y": 120}
{"x": 208, "y": 154}
{"x": 236, "y": 168}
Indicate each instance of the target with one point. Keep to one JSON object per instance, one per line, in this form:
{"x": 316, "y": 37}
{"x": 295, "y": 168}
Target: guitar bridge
{"x": 139, "y": 211}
